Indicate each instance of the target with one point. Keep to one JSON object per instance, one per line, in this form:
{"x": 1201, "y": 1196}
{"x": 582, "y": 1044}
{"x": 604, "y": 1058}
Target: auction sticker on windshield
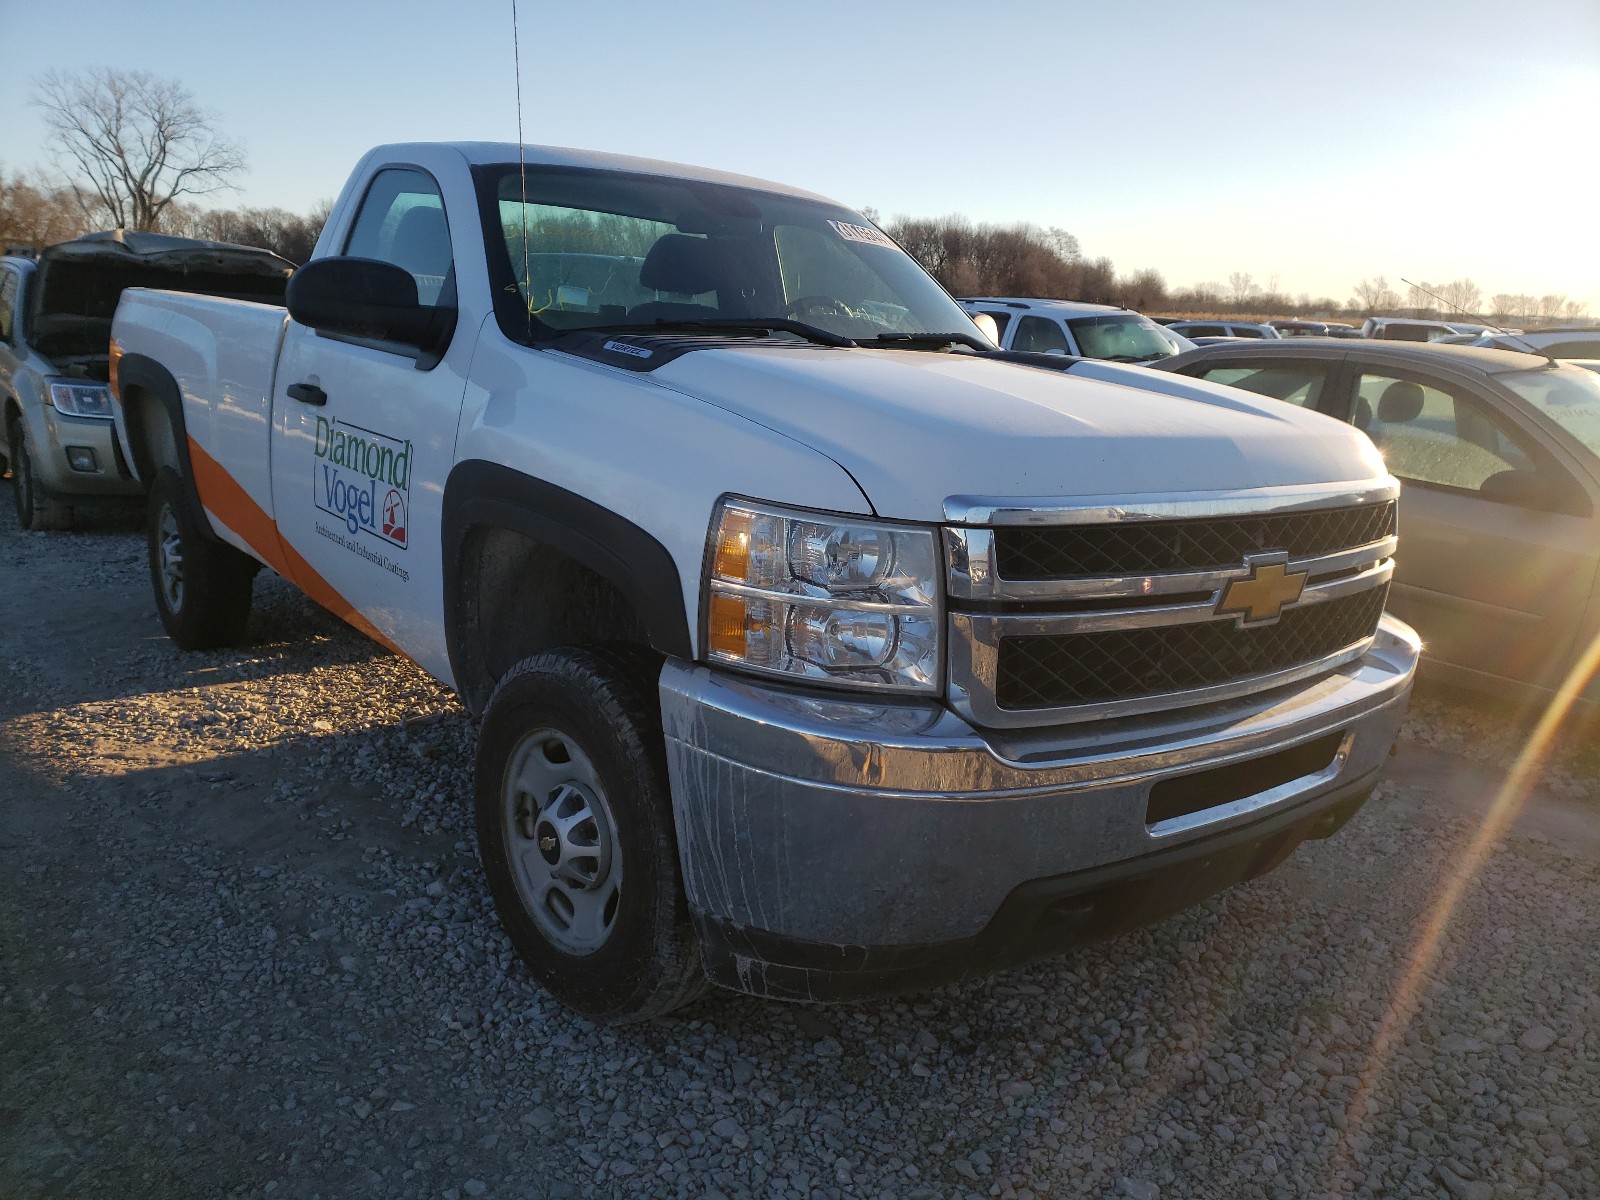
{"x": 363, "y": 478}
{"x": 865, "y": 234}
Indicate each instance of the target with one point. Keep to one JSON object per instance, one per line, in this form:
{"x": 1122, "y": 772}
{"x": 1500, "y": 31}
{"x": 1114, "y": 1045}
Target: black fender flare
{"x": 481, "y": 493}
{"x": 151, "y": 378}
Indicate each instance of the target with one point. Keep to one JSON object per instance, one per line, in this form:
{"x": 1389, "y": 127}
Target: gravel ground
{"x": 246, "y": 950}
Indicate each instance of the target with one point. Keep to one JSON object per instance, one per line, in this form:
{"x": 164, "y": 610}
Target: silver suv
{"x": 1076, "y": 329}
{"x": 55, "y": 358}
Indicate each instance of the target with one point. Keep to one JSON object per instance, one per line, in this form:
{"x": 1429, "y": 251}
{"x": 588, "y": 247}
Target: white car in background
{"x": 1076, "y": 329}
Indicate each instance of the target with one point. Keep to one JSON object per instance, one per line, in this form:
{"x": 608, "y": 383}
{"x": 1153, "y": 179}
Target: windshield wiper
{"x": 926, "y": 340}
{"x": 730, "y": 325}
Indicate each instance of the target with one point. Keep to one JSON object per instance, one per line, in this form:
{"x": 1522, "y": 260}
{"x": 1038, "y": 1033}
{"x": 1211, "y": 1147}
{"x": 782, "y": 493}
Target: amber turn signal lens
{"x": 727, "y": 634}
{"x": 733, "y": 546}
{"x": 116, "y": 363}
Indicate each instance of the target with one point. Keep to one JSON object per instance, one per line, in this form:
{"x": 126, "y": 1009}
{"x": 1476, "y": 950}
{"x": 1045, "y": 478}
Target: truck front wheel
{"x": 202, "y": 586}
{"x": 575, "y": 829}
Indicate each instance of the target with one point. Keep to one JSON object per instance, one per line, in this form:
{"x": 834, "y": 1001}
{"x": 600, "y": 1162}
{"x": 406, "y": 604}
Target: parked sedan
{"x": 1499, "y": 560}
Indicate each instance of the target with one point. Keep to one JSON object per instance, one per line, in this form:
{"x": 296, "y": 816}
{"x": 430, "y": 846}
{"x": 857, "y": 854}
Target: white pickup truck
{"x": 821, "y": 648}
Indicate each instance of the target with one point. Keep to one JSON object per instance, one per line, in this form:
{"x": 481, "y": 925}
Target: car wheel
{"x": 202, "y": 586}
{"x": 575, "y": 830}
{"x": 35, "y": 508}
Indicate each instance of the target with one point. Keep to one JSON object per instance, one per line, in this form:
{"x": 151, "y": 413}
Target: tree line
{"x": 130, "y": 150}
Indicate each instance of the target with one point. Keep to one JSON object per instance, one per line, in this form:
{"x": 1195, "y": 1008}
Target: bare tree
{"x": 1143, "y": 290}
{"x": 1241, "y": 286}
{"x": 1550, "y": 306}
{"x": 1575, "y": 309}
{"x": 1061, "y": 243}
{"x": 1461, "y": 296}
{"x": 33, "y": 215}
{"x": 1422, "y": 299}
{"x": 132, "y": 143}
{"x": 290, "y": 234}
{"x": 1375, "y": 295}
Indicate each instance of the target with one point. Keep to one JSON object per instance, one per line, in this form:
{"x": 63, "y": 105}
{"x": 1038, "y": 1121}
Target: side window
{"x": 1295, "y": 383}
{"x": 1039, "y": 334}
{"x": 1001, "y": 320}
{"x": 402, "y": 222}
{"x": 1245, "y": 331}
{"x": 8, "y": 303}
{"x": 1435, "y": 436}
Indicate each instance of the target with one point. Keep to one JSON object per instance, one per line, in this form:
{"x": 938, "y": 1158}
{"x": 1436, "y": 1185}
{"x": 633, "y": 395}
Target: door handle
{"x": 308, "y": 393}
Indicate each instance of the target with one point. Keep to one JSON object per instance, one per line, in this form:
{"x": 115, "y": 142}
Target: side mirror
{"x": 368, "y": 299}
{"x": 986, "y": 326}
{"x": 1525, "y": 489}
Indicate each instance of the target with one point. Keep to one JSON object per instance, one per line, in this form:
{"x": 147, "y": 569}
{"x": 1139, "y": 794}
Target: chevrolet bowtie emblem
{"x": 1260, "y": 597}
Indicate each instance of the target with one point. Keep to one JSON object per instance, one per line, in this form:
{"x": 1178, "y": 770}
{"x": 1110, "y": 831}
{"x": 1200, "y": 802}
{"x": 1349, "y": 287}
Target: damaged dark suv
{"x": 55, "y": 361}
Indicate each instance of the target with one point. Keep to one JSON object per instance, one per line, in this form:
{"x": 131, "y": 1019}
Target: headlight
{"x": 826, "y": 598}
{"x": 81, "y": 399}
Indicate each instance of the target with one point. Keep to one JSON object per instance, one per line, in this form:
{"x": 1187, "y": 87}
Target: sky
{"x": 1315, "y": 144}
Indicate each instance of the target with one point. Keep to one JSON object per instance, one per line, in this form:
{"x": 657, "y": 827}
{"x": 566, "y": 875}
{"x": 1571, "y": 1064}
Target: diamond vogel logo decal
{"x": 363, "y": 478}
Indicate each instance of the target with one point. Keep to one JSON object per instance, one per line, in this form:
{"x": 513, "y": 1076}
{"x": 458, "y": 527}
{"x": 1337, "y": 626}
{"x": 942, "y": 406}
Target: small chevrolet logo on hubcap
{"x": 547, "y": 843}
{"x": 1260, "y": 597}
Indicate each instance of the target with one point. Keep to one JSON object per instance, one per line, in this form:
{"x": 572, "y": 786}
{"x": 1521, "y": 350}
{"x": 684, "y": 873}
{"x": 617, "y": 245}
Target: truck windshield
{"x": 1121, "y": 337}
{"x": 582, "y": 249}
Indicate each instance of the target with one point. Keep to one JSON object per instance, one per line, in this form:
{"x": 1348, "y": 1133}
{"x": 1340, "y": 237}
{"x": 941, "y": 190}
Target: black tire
{"x": 36, "y": 509}
{"x": 587, "y": 723}
{"x": 202, "y": 586}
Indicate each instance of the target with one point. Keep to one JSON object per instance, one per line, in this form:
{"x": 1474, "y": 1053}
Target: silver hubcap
{"x": 561, "y": 839}
{"x": 169, "y": 546}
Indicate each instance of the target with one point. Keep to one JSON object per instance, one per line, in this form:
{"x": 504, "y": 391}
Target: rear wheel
{"x": 202, "y": 586}
{"x": 35, "y": 508}
{"x": 575, "y": 829}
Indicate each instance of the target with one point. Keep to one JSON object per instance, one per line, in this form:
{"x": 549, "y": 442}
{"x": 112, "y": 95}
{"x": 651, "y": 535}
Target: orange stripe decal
{"x": 222, "y": 494}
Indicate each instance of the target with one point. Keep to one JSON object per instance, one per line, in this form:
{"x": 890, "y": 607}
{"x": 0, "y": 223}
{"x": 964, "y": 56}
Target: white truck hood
{"x": 916, "y": 428}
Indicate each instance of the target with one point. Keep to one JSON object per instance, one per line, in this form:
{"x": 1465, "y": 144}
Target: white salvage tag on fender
{"x": 865, "y": 234}
{"x": 624, "y": 348}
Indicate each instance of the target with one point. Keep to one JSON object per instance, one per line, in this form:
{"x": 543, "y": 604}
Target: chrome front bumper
{"x": 836, "y": 822}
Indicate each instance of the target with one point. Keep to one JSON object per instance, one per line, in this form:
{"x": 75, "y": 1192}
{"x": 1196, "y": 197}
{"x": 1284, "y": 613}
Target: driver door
{"x": 364, "y": 436}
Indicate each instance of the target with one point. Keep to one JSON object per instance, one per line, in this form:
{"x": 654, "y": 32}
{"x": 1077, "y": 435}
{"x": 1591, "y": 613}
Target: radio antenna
{"x": 1522, "y": 343}
{"x": 1439, "y": 298}
{"x": 526, "y": 282}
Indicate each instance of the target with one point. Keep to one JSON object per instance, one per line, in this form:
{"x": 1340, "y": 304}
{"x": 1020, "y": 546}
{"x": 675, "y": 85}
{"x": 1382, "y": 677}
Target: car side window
{"x": 1433, "y": 435}
{"x": 1001, "y": 320}
{"x": 1245, "y": 331}
{"x": 1294, "y": 383}
{"x": 402, "y": 221}
{"x": 8, "y": 303}
{"x": 1040, "y": 335}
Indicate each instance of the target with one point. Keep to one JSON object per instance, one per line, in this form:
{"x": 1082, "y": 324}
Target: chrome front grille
{"x": 1158, "y": 547}
{"x": 1052, "y": 670}
{"x": 1064, "y": 614}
